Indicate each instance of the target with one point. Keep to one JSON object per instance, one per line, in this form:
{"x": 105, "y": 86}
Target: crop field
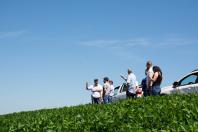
{"x": 163, "y": 113}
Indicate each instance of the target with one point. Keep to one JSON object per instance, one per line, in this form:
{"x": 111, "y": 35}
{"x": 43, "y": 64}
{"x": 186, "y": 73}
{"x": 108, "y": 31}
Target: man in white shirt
{"x": 149, "y": 75}
{"x": 132, "y": 84}
{"x": 112, "y": 90}
{"x": 106, "y": 91}
{"x": 96, "y": 91}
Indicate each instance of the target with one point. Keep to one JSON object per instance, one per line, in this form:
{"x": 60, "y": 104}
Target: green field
{"x": 165, "y": 113}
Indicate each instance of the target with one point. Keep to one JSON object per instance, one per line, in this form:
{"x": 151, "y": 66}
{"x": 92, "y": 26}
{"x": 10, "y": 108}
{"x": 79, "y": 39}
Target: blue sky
{"x": 49, "y": 49}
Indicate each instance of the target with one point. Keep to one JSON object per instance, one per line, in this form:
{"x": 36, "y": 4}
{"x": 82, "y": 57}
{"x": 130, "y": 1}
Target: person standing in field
{"x": 157, "y": 80}
{"x": 149, "y": 74}
{"x": 112, "y": 90}
{"x": 132, "y": 84}
{"x": 144, "y": 87}
{"x": 106, "y": 91}
{"x": 96, "y": 91}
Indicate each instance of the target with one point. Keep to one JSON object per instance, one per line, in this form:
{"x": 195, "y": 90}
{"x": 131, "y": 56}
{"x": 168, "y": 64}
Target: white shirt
{"x": 149, "y": 75}
{"x": 112, "y": 90}
{"x": 107, "y": 88}
{"x": 131, "y": 80}
{"x": 98, "y": 88}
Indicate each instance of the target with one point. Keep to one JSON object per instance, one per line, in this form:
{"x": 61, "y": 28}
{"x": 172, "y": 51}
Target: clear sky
{"x": 49, "y": 49}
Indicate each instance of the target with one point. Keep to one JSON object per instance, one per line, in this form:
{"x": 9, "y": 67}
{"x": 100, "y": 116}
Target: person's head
{"x": 96, "y": 81}
{"x": 111, "y": 82}
{"x": 106, "y": 79}
{"x": 129, "y": 71}
{"x": 157, "y": 69}
{"x": 149, "y": 64}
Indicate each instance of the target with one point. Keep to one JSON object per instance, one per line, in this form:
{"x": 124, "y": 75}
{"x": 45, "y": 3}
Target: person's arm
{"x": 103, "y": 90}
{"x": 136, "y": 85}
{"x": 87, "y": 86}
{"x": 150, "y": 75}
{"x": 146, "y": 72}
{"x": 156, "y": 74}
{"x": 123, "y": 77}
{"x": 101, "y": 94}
{"x": 105, "y": 87}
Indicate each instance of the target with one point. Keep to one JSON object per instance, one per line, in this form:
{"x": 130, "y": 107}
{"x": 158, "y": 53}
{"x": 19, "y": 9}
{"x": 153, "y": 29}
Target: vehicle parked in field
{"x": 120, "y": 92}
{"x": 187, "y": 84}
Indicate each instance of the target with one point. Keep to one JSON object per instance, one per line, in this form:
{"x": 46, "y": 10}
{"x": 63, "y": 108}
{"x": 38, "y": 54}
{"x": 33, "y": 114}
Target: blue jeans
{"x": 106, "y": 99}
{"x": 156, "y": 90}
{"x": 110, "y": 99}
{"x": 144, "y": 87}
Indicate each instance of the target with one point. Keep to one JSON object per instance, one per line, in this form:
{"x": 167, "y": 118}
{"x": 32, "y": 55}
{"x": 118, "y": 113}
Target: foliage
{"x": 162, "y": 113}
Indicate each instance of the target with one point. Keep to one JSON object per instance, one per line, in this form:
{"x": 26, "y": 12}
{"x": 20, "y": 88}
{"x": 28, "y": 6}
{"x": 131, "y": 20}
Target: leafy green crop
{"x": 163, "y": 113}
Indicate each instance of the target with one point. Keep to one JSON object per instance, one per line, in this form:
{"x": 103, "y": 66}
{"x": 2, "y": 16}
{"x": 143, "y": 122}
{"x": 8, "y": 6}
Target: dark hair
{"x": 106, "y": 79}
{"x": 95, "y": 80}
{"x": 111, "y": 81}
{"x": 157, "y": 69}
{"x": 159, "y": 79}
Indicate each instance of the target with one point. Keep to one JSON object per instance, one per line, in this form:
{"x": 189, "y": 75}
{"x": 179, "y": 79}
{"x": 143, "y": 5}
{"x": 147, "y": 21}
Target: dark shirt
{"x": 158, "y": 81}
{"x": 144, "y": 86}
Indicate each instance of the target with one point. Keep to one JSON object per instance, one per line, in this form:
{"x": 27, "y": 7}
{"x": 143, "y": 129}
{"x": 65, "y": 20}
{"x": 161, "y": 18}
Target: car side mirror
{"x": 175, "y": 84}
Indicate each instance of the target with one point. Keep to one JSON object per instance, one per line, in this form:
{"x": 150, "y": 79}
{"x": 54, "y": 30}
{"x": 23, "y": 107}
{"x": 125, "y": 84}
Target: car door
{"x": 120, "y": 93}
{"x": 188, "y": 84}
{"x": 196, "y": 85}
{"x": 117, "y": 93}
{"x": 123, "y": 92}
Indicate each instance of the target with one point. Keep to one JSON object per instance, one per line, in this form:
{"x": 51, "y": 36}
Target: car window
{"x": 124, "y": 87}
{"x": 116, "y": 90}
{"x": 196, "y": 80}
{"x": 191, "y": 79}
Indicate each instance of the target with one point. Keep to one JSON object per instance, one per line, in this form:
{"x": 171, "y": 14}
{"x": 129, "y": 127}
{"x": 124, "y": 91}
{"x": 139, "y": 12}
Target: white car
{"x": 120, "y": 92}
{"x": 187, "y": 84}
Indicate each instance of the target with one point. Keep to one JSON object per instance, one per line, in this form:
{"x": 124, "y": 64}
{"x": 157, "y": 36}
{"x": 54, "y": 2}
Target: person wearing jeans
{"x": 149, "y": 74}
{"x": 157, "y": 80}
{"x": 112, "y": 91}
{"x": 144, "y": 87}
{"x": 106, "y": 90}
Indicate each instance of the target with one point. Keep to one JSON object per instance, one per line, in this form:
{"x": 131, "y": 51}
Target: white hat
{"x": 129, "y": 69}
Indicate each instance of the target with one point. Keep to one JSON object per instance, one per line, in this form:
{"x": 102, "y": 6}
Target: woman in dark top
{"x": 157, "y": 80}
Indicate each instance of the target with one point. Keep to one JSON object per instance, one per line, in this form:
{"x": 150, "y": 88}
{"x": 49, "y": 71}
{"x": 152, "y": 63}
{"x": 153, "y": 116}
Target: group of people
{"x": 150, "y": 85}
{"x": 101, "y": 94}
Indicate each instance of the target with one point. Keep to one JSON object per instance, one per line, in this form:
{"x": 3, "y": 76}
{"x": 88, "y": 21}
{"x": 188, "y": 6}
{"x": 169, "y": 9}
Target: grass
{"x": 160, "y": 113}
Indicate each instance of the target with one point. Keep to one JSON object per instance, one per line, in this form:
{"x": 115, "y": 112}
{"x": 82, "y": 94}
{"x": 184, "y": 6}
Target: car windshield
{"x": 124, "y": 87}
{"x": 116, "y": 90}
{"x": 191, "y": 79}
